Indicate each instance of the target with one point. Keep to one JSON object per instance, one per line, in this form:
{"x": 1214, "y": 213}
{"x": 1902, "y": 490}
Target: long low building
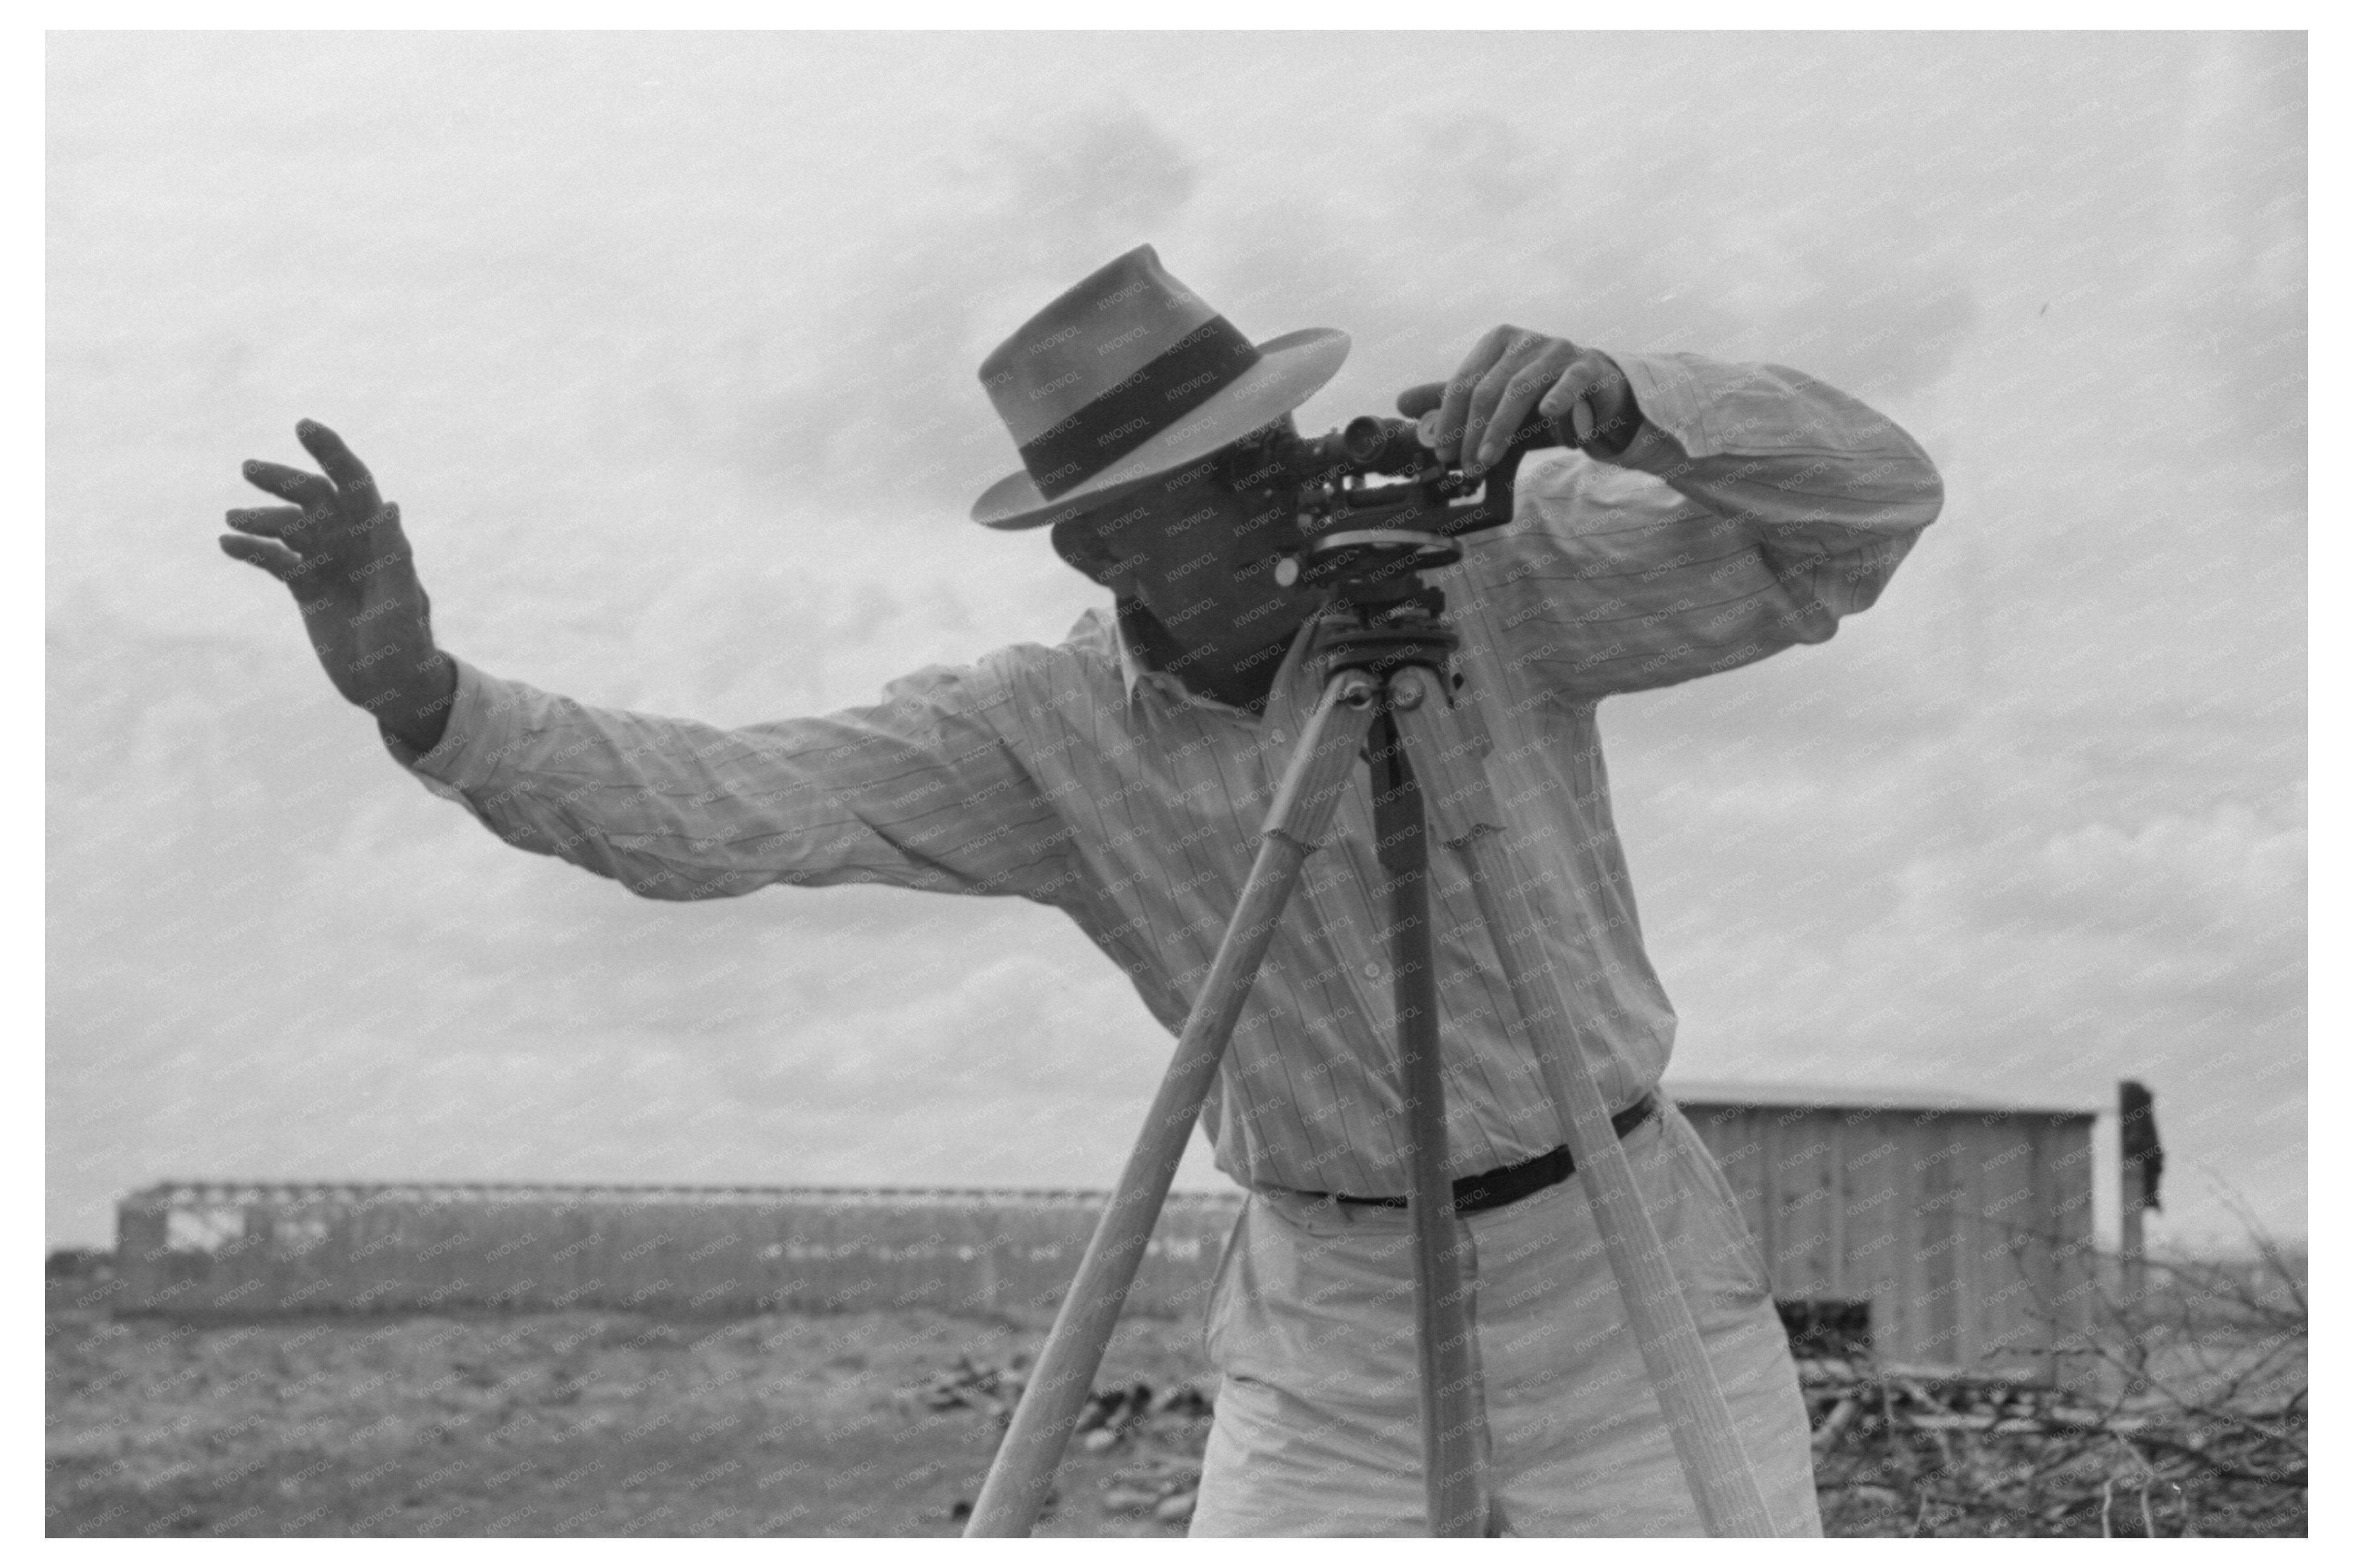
{"x": 1935, "y": 1229}
{"x": 281, "y": 1246}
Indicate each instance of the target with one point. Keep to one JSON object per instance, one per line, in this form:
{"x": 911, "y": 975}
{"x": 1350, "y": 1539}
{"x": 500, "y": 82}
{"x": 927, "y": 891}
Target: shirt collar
{"x": 1134, "y": 640}
{"x": 1131, "y": 663}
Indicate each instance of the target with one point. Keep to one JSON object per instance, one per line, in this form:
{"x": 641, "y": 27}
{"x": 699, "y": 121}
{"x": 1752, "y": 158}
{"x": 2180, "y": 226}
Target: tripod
{"x": 1387, "y": 693}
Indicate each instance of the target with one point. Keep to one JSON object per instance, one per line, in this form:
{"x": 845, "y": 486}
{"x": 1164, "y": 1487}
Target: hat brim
{"x": 1290, "y": 369}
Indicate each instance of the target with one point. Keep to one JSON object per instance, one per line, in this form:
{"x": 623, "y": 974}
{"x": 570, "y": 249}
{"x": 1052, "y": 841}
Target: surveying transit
{"x": 1391, "y": 692}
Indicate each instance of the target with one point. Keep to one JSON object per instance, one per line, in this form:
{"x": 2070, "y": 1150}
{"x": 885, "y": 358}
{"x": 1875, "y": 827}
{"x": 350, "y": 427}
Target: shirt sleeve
{"x": 1754, "y": 508}
{"x": 923, "y": 790}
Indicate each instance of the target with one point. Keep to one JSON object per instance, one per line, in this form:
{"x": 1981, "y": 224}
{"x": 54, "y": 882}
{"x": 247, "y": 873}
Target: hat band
{"x": 1193, "y": 370}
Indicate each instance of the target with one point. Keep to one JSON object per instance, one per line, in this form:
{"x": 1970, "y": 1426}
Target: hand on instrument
{"x": 1512, "y": 371}
{"x": 340, "y": 549}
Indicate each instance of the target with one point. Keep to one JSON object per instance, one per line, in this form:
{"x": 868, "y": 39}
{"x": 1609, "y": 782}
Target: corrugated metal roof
{"x": 1912, "y": 1098}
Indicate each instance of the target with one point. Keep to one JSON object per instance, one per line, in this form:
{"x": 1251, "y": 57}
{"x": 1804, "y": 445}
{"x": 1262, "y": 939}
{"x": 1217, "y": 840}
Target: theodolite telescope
{"x": 1355, "y": 534}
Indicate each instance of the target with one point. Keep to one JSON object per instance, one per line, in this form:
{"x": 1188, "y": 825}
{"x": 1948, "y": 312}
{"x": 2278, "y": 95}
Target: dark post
{"x": 2138, "y": 1164}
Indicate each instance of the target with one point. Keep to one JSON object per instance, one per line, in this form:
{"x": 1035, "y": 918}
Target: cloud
{"x": 886, "y": 408}
{"x": 673, "y": 372}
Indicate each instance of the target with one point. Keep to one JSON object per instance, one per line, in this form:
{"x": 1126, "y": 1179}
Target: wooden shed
{"x": 1937, "y": 1229}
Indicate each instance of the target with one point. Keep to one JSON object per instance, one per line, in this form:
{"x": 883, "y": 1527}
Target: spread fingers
{"x": 269, "y": 522}
{"x": 267, "y": 554}
{"x": 306, "y": 490}
{"x": 351, "y": 476}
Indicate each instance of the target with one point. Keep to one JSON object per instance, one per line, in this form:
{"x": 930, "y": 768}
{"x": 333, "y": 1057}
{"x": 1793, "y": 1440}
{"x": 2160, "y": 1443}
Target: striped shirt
{"x": 1754, "y": 507}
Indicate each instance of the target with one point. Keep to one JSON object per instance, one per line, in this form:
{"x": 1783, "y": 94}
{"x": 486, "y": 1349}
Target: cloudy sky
{"x": 666, "y": 346}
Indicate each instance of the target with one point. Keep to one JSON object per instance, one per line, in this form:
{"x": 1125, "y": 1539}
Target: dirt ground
{"x": 573, "y": 1423}
{"x": 880, "y": 1424}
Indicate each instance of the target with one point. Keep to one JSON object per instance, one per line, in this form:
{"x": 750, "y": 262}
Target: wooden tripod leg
{"x": 1699, "y": 1418}
{"x": 1024, "y": 1467}
{"x": 1454, "y": 1405}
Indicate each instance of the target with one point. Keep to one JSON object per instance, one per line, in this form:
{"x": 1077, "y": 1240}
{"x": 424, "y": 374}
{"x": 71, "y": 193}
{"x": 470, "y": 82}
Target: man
{"x": 1718, "y": 514}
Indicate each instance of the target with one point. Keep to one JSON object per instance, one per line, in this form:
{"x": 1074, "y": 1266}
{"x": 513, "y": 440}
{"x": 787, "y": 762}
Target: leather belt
{"x": 1510, "y": 1183}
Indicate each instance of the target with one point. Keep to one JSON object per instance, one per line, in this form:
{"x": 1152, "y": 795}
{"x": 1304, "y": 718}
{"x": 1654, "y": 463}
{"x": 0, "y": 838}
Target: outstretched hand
{"x": 340, "y": 548}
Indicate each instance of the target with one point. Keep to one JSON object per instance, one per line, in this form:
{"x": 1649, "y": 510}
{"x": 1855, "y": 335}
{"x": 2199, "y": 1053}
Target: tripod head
{"x": 1373, "y": 505}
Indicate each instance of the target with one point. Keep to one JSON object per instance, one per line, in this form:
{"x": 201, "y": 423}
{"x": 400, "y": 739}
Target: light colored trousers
{"x": 1318, "y": 1427}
